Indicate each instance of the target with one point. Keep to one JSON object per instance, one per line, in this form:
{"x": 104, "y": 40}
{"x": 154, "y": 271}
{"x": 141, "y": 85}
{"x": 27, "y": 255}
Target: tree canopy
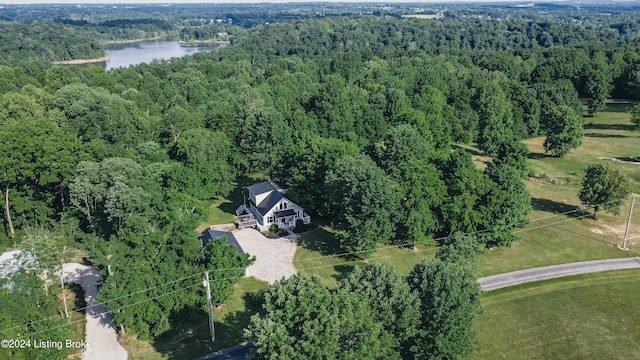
{"x": 604, "y": 186}
{"x": 366, "y": 116}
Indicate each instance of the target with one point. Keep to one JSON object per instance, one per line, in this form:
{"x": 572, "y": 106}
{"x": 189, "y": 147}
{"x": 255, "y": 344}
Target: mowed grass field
{"x": 318, "y": 254}
{"x": 559, "y": 231}
{"x": 592, "y": 316}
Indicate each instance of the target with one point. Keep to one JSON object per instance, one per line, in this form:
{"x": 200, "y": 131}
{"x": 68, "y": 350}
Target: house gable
{"x": 266, "y": 202}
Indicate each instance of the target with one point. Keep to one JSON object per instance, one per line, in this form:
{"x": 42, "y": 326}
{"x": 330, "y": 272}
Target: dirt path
{"x": 100, "y": 332}
{"x": 274, "y": 257}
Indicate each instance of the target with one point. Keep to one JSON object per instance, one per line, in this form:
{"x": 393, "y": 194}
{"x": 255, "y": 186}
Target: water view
{"x": 123, "y": 55}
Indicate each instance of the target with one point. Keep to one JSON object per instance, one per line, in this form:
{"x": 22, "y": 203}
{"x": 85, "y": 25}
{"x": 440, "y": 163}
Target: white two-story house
{"x": 265, "y": 204}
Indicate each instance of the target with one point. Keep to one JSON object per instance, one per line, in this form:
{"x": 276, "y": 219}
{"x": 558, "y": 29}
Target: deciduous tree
{"x": 496, "y": 121}
{"x": 603, "y": 186}
{"x": 299, "y": 322}
{"x": 391, "y": 299}
{"x": 505, "y": 207}
{"x": 363, "y": 203}
{"x": 449, "y": 305}
{"x": 564, "y": 130}
{"x": 460, "y": 249}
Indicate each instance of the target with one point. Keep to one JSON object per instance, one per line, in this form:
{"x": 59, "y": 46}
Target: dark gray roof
{"x": 284, "y": 213}
{"x": 209, "y": 235}
{"x": 270, "y": 201}
{"x": 266, "y": 186}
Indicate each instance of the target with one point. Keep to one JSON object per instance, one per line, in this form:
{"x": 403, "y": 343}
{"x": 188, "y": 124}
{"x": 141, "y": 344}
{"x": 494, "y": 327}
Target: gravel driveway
{"x": 274, "y": 257}
{"x": 100, "y": 333}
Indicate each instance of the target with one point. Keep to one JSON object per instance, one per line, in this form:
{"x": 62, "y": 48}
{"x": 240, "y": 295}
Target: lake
{"x": 123, "y": 55}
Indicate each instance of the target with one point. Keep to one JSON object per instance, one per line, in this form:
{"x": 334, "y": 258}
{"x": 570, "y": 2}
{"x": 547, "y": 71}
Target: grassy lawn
{"x": 592, "y": 316}
{"x": 554, "y": 238}
{"x": 75, "y": 300}
{"x": 318, "y": 254}
{"x": 607, "y": 135}
{"x": 217, "y": 215}
{"x": 223, "y": 210}
{"x": 230, "y": 320}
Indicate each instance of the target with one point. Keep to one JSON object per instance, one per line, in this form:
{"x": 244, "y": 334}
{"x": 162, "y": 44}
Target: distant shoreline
{"x": 111, "y": 42}
{"x": 81, "y": 61}
{"x": 221, "y": 42}
{"x": 105, "y": 58}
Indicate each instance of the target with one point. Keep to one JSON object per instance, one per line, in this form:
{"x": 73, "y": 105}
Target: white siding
{"x": 257, "y": 199}
{"x": 290, "y": 205}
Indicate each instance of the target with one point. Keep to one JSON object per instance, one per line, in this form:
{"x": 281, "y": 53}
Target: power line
{"x": 309, "y": 268}
{"x": 545, "y": 225}
{"x": 344, "y": 263}
{"x": 364, "y": 251}
{"x": 471, "y": 233}
{"x": 122, "y": 307}
{"x": 126, "y": 296}
{"x": 580, "y": 209}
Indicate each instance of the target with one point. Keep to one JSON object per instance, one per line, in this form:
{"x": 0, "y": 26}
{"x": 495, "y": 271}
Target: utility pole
{"x": 64, "y": 292}
{"x": 626, "y": 233}
{"x": 212, "y": 329}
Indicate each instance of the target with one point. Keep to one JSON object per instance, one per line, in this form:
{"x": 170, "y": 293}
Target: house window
{"x": 285, "y": 205}
{"x": 280, "y": 206}
{"x": 270, "y": 219}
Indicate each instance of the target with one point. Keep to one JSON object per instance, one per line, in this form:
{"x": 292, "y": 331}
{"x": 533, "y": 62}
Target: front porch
{"x": 287, "y": 219}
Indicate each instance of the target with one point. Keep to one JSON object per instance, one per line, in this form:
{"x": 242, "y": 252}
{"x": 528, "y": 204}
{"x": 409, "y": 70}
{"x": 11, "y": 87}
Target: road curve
{"x": 550, "y": 272}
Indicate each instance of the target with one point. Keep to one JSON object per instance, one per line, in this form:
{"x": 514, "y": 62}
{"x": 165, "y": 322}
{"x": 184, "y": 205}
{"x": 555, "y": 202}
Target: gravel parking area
{"x": 274, "y": 257}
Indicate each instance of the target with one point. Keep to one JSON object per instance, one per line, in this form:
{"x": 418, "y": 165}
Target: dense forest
{"x": 364, "y": 114}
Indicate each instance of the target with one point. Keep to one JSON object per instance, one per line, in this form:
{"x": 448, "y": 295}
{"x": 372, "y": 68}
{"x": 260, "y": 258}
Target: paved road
{"x": 550, "y": 272}
{"x": 101, "y": 337}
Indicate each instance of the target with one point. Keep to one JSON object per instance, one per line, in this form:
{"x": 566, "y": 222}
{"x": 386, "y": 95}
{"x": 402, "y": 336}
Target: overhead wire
{"x": 445, "y": 237}
{"x": 128, "y": 295}
{"x": 308, "y": 268}
{"x": 119, "y": 308}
